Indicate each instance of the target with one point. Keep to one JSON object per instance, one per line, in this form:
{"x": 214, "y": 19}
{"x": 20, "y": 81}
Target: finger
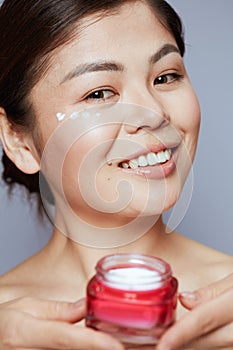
{"x": 198, "y": 322}
{"x": 31, "y": 349}
{"x": 40, "y": 334}
{"x": 62, "y": 311}
{"x": 220, "y": 339}
{"x": 49, "y": 309}
{"x": 192, "y": 299}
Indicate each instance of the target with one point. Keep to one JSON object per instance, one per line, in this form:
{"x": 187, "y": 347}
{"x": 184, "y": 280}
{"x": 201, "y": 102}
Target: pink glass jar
{"x": 132, "y": 297}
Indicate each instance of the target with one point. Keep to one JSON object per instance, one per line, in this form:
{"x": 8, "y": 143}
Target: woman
{"x": 96, "y": 96}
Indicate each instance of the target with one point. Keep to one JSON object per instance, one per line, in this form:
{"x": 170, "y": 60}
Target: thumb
{"x": 190, "y": 300}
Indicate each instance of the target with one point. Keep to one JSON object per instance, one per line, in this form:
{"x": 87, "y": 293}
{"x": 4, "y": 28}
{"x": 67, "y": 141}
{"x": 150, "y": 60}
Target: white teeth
{"x": 167, "y": 154}
{"x": 152, "y": 159}
{"x": 133, "y": 164}
{"x": 149, "y": 159}
{"x": 161, "y": 157}
{"x": 125, "y": 165}
{"x": 142, "y": 161}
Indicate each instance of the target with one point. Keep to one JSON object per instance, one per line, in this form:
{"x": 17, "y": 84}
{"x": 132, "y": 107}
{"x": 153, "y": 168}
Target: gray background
{"x": 209, "y": 31}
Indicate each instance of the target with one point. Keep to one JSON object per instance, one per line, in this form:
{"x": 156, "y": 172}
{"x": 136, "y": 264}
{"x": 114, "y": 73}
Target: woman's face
{"x": 128, "y": 153}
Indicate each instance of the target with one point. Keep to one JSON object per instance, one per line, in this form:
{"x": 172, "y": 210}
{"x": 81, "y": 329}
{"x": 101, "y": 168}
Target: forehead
{"x": 132, "y": 24}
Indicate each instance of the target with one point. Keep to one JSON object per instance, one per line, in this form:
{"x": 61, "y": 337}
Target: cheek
{"x": 185, "y": 112}
{"x": 44, "y": 132}
{"x": 194, "y": 116}
{"x": 85, "y": 163}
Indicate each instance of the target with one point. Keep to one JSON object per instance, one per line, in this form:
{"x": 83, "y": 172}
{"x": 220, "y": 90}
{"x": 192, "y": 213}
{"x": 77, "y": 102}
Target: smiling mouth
{"x": 149, "y": 159}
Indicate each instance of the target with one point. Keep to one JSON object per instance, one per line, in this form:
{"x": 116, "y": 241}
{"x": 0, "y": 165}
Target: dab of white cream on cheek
{"x": 60, "y": 116}
{"x": 74, "y": 116}
{"x": 84, "y": 114}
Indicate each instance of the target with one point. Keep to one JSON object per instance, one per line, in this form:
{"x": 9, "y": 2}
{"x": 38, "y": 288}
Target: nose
{"x": 144, "y": 112}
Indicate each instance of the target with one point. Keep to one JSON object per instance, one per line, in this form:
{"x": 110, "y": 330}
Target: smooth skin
{"x": 39, "y": 308}
{"x": 210, "y": 323}
{"x": 30, "y": 323}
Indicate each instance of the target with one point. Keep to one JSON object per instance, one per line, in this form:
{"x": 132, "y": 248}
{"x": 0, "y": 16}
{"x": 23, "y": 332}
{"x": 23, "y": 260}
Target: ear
{"x": 18, "y": 146}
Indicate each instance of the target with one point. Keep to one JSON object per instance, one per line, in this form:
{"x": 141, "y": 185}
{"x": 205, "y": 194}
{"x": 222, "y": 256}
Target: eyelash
{"x": 174, "y": 77}
{"x": 93, "y": 95}
{"x": 170, "y": 78}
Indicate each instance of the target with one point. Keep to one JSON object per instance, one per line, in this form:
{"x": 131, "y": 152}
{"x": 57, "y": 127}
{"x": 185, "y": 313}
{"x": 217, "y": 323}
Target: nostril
{"x": 161, "y": 125}
{"x": 143, "y": 127}
{"x": 164, "y": 123}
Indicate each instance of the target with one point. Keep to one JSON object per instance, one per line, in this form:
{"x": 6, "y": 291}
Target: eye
{"x": 167, "y": 78}
{"x": 100, "y": 95}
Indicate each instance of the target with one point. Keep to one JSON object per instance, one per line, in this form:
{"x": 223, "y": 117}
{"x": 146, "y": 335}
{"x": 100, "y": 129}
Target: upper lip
{"x": 150, "y": 148}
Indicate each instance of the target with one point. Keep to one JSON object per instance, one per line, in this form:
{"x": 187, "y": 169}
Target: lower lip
{"x": 156, "y": 172}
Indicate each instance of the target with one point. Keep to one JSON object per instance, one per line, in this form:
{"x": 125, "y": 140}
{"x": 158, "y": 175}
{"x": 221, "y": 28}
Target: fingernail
{"x": 189, "y": 295}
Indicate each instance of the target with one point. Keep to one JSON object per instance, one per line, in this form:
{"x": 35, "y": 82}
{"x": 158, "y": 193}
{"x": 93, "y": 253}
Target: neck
{"x": 82, "y": 259}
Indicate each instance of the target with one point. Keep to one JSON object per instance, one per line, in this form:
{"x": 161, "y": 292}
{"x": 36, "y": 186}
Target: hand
{"x": 209, "y": 324}
{"x": 29, "y": 323}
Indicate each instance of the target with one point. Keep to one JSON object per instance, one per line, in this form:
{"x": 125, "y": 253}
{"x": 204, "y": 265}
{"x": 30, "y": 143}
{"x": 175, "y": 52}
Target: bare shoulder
{"x": 219, "y": 262}
{"x": 204, "y": 264}
{"x": 40, "y": 277}
{"x": 20, "y": 280}
{"x": 12, "y": 284}
{"x": 222, "y": 264}
{"x": 8, "y": 291}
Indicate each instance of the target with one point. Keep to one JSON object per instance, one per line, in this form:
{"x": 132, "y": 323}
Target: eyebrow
{"x": 93, "y": 67}
{"x": 111, "y": 66}
{"x": 163, "y": 51}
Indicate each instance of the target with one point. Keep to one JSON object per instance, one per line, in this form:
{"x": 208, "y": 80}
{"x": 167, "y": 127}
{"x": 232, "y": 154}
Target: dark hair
{"x": 30, "y": 31}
